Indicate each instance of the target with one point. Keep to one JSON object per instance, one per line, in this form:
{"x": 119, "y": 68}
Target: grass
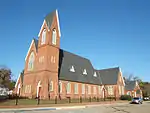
{"x": 12, "y": 102}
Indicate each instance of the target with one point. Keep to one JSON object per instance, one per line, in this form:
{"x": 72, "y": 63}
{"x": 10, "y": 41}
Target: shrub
{"x": 125, "y": 97}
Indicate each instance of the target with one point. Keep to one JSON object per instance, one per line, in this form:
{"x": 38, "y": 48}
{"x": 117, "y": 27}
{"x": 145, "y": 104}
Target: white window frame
{"x": 83, "y": 88}
{"x": 128, "y": 93}
{"x": 95, "y": 74}
{"x": 60, "y": 86}
{"x": 41, "y": 59}
{"x": 54, "y": 36}
{"x": 51, "y": 85}
{"x": 76, "y": 88}
{"x": 84, "y": 72}
{"x": 31, "y": 61}
{"x": 68, "y": 86}
{"x": 43, "y": 40}
{"x": 99, "y": 88}
{"x": 89, "y": 90}
{"x": 72, "y": 69}
{"x": 94, "y": 90}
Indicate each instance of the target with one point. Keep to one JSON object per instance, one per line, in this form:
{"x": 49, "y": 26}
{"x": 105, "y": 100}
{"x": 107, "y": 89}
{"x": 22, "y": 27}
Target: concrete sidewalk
{"x": 56, "y": 107}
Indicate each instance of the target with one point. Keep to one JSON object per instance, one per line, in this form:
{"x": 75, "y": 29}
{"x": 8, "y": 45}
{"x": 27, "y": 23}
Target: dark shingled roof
{"x": 49, "y": 18}
{"x": 109, "y": 76}
{"x": 36, "y": 43}
{"x": 67, "y": 60}
{"x": 130, "y": 85}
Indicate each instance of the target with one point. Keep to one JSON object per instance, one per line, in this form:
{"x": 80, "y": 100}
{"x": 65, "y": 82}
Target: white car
{"x": 146, "y": 98}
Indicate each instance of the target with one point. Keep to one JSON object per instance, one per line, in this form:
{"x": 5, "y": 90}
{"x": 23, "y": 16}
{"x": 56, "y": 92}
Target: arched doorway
{"x": 38, "y": 88}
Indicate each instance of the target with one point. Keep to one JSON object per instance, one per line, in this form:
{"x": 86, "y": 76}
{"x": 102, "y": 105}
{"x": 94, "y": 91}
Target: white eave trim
{"x": 17, "y": 81}
{"x": 122, "y": 77}
{"x": 29, "y": 49}
{"x": 58, "y": 23}
{"x": 41, "y": 28}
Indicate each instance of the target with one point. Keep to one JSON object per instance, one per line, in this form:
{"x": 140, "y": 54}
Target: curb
{"x": 41, "y": 109}
{"x": 55, "y": 108}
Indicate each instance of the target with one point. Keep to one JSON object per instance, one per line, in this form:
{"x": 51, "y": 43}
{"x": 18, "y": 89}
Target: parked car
{"x": 137, "y": 100}
{"x": 146, "y": 98}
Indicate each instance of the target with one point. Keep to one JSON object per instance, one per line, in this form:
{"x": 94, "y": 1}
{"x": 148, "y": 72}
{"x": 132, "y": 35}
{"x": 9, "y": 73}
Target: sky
{"x": 109, "y": 33}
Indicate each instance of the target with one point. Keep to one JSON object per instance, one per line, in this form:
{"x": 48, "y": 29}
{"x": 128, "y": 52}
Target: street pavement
{"x": 115, "y": 108}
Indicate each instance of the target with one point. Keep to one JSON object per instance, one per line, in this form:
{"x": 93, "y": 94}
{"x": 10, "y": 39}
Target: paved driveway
{"x": 118, "y": 108}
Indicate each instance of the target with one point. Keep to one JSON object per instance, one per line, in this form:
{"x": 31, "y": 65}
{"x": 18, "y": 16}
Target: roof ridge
{"x": 75, "y": 54}
{"x": 109, "y": 68}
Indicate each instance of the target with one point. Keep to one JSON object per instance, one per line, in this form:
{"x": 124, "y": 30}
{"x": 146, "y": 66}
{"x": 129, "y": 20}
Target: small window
{"x": 128, "y": 93}
{"x": 83, "y": 88}
{"x": 54, "y": 36}
{"x": 68, "y": 88}
{"x": 31, "y": 62}
{"x": 76, "y": 88}
{"x": 41, "y": 59}
{"x": 89, "y": 89}
{"x": 84, "y": 72}
{"x": 51, "y": 86}
{"x": 99, "y": 87}
{"x": 60, "y": 86}
{"x": 95, "y": 75}
{"x": 94, "y": 90}
{"x": 43, "y": 37}
{"x": 72, "y": 69}
{"x": 53, "y": 59}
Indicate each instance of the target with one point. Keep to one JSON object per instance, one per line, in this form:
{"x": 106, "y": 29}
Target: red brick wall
{"x": 48, "y": 70}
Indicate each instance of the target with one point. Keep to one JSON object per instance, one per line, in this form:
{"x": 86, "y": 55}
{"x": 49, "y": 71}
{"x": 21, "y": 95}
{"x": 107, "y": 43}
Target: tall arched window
{"x": 60, "y": 87}
{"x": 54, "y": 35}
{"x": 43, "y": 37}
{"x": 31, "y": 61}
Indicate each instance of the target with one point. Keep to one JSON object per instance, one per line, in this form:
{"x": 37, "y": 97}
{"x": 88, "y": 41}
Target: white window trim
{"x": 43, "y": 40}
{"x": 95, "y": 75}
{"x": 94, "y": 90}
{"x": 128, "y": 92}
{"x": 72, "y": 69}
{"x": 76, "y": 89}
{"x": 51, "y": 84}
{"x": 31, "y": 66}
{"x": 60, "y": 86}
{"x": 99, "y": 89}
{"x": 54, "y": 39}
{"x": 84, "y": 72}
{"x": 68, "y": 88}
{"x": 83, "y": 88}
{"x": 89, "y": 90}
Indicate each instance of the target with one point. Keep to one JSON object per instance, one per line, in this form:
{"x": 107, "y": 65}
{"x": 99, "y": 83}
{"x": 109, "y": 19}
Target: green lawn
{"x": 45, "y": 102}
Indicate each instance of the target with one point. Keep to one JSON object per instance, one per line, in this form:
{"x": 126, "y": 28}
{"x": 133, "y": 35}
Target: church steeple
{"x": 50, "y": 30}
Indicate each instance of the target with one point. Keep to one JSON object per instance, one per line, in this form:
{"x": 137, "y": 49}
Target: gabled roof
{"x": 67, "y": 60}
{"x": 109, "y": 76}
{"x": 36, "y": 43}
{"x": 49, "y": 19}
{"x": 130, "y": 85}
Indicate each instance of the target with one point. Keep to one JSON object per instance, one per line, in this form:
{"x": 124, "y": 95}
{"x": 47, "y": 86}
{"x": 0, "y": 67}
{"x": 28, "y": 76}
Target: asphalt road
{"x": 123, "y": 108}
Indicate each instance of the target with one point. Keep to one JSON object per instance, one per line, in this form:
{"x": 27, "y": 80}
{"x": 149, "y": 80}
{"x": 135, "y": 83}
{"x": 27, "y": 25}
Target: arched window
{"x": 51, "y": 86}
{"x": 60, "y": 87}
{"x": 128, "y": 93}
{"x": 54, "y": 35}
{"x": 68, "y": 87}
{"x": 31, "y": 61}
{"x": 43, "y": 37}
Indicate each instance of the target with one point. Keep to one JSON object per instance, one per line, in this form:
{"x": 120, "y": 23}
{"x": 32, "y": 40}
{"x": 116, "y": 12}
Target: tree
{"x": 131, "y": 77}
{"x": 5, "y": 77}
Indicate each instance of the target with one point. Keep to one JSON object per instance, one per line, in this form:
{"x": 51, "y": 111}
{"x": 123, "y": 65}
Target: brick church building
{"x": 52, "y": 71}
